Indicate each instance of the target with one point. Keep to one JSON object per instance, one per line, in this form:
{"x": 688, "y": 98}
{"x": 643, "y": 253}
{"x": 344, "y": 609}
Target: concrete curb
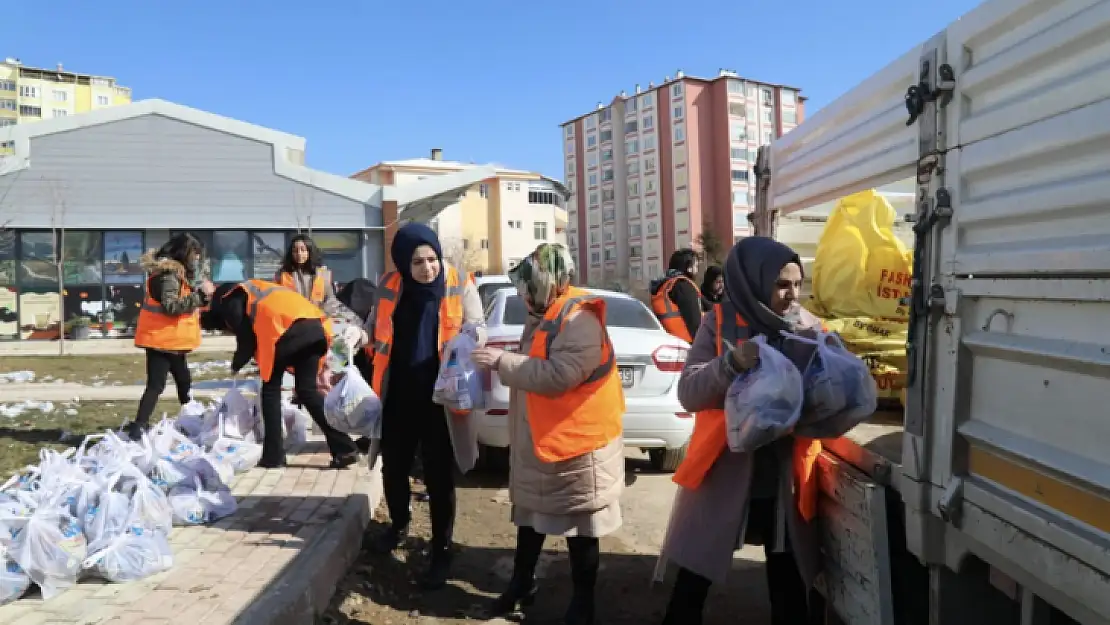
{"x": 302, "y": 592}
{"x": 35, "y": 391}
{"x": 102, "y": 346}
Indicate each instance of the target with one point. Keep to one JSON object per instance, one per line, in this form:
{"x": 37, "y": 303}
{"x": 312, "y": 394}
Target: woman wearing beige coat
{"x": 576, "y": 497}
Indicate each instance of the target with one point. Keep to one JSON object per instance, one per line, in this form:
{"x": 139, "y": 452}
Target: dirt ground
{"x": 65, "y": 425}
{"x": 108, "y": 369}
{"x": 382, "y": 590}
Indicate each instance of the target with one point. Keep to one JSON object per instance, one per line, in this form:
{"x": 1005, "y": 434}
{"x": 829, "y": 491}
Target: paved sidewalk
{"x": 66, "y": 391}
{"x": 216, "y": 343}
{"x": 277, "y": 560}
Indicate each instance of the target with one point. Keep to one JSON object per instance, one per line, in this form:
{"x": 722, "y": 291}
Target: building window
{"x": 631, "y": 147}
{"x": 633, "y": 209}
{"x": 739, "y": 175}
{"x": 768, "y": 136}
{"x": 267, "y": 253}
{"x": 36, "y": 266}
{"x": 593, "y": 199}
{"x": 735, "y": 86}
{"x": 790, "y": 116}
{"x": 607, "y": 175}
{"x": 737, "y": 133}
{"x": 484, "y": 244}
{"x": 648, "y": 122}
{"x": 30, "y": 111}
{"x": 649, "y": 142}
{"x": 543, "y": 197}
{"x": 679, "y": 133}
{"x": 630, "y": 105}
{"x": 593, "y": 180}
{"x": 8, "y": 105}
{"x": 738, "y": 154}
{"x": 634, "y": 230}
{"x": 483, "y": 190}
{"x": 82, "y": 258}
{"x": 740, "y": 198}
{"x": 634, "y": 250}
{"x": 678, "y": 112}
{"x": 749, "y": 90}
{"x": 606, "y": 115}
{"x": 606, "y": 156}
{"x": 633, "y": 168}
{"x": 591, "y": 161}
{"x": 342, "y": 253}
{"x": 60, "y": 96}
{"x": 591, "y": 141}
{"x": 631, "y": 126}
{"x": 768, "y": 116}
{"x": 676, "y": 90}
{"x": 649, "y": 163}
{"x": 649, "y": 207}
{"x": 737, "y": 109}
{"x": 60, "y": 113}
{"x": 570, "y": 131}
{"x": 595, "y": 258}
{"x": 787, "y": 97}
{"x": 751, "y": 156}
{"x": 633, "y": 189}
{"x": 768, "y": 97}
{"x": 28, "y": 91}
{"x": 591, "y": 122}
{"x": 7, "y": 85}
{"x": 606, "y": 135}
{"x": 230, "y": 254}
{"x": 609, "y": 214}
{"x": 570, "y": 147}
{"x": 652, "y": 227}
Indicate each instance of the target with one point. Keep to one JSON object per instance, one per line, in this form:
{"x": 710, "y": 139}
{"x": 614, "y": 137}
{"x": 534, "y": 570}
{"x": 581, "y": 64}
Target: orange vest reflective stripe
{"x": 381, "y": 344}
{"x": 668, "y": 313}
{"x": 589, "y": 416}
{"x": 319, "y": 291}
{"x": 272, "y": 309}
{"x": 710, "y": 438}
{"x": 157, "y": 329}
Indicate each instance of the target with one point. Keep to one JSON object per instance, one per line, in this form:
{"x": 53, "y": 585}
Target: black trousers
{"x": 305, "y": 361}
{"x": 791, "y": 602}
{"x": 419, "y": 424}
{"x": 585, "y": 558}
{"x": 160, "y": 364}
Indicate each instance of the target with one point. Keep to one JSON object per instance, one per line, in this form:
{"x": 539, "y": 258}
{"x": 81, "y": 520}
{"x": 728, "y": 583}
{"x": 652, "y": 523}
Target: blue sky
{"x": 484, "y": 80}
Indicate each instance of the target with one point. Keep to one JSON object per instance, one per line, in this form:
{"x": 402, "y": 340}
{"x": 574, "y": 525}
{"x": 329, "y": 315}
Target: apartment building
{"x": 492, "y": 225}
{"x": 31, "y": 94}
{"x": 652, "y": 170}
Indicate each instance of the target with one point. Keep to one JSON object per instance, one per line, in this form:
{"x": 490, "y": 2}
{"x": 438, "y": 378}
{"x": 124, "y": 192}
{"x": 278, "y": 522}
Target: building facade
{"x": 84, "y": 196}
{"x": 31, "y": 94}
{"x": 655, "y": 169}
{"x": 495, "y": 223}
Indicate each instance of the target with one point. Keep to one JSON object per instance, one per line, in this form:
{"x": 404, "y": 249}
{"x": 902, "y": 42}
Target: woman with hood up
{"x": 712, "y": 287}
{"x": 727, "y": 499}
{"x": 418, "y": 308}
{"x": 169, "y": 325}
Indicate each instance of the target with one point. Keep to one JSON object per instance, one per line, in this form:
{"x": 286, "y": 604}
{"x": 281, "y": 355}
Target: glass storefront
{"x": 102, "y": 277}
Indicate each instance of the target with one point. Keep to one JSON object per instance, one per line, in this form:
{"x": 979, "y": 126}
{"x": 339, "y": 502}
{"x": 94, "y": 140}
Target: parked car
{"x": 649, "y": 361}
{"x": 488, "y": 285}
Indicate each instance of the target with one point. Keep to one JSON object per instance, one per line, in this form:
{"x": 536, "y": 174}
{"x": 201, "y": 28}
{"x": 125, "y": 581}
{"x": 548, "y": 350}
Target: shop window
{"x": 121, "y": 309}
{"x": 36, "y": 260}
{"x": 40, "y": 311}
{"x": 88, "y": 301}
{"x": 342, "y": 252}
{"x": 230, "y": 255}
{"x": 9, "y": 313}
{"x": 7, "y": 256}
{"x": 82, "y": 257}
{"x": 268, "y": 250}
{"x": 122, "y": 251}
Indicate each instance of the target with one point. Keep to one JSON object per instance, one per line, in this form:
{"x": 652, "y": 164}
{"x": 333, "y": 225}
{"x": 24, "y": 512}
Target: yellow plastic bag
{"x": 861, "y": 272}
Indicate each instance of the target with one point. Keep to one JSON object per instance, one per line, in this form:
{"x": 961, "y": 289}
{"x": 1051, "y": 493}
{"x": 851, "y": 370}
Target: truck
{"x": 986, "y": 498}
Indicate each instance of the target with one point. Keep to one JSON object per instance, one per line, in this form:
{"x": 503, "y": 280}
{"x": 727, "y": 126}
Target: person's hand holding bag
{"x": 743, "y": 357}
{"x": 486, "y": 357}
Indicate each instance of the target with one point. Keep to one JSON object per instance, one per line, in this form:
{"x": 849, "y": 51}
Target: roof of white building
{"x": 429, "y": 163}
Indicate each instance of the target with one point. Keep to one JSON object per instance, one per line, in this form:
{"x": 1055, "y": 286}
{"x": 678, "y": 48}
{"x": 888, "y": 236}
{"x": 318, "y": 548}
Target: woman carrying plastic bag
{"x": 764, "y": 403}
{"x": 840, "y": 392}
{"x": 351, "y": 406}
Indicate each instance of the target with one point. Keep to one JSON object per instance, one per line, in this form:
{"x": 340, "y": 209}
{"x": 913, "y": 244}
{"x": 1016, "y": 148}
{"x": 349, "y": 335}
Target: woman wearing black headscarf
{"x": 712, "y": 287}
{"x": 720, "y": 492}
{"x": 418, "y": 308}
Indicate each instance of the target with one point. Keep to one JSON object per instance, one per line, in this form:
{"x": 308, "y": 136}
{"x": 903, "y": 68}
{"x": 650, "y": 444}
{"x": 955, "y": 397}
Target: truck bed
{"x": 873, "y": 447}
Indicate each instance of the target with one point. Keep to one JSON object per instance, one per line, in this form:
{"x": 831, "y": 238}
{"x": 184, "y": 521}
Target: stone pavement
{"x": 276, "y": 561}
{"x": 216, "y": 343}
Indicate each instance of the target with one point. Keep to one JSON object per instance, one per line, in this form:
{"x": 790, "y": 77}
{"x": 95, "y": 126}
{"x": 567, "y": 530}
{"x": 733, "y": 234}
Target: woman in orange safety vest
{"x": 675, "y": 298}
{"x": 169, "y": 326}
{"x": 771, "y": 492}
{"x": 280, "y": 329}
{"x": 417, "y": 309}
{"x": 565, "y": 410}
{"x": 303, "y": 270}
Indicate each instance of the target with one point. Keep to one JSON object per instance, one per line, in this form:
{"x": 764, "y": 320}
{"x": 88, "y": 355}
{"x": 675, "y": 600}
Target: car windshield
{"x": 620, "y": 312}
{"x": 487, "y": 290}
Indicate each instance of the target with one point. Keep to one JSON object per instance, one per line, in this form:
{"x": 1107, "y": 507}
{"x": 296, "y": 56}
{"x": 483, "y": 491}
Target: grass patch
{"x": 23, "y": 435}
{"x": 110, "y": 369}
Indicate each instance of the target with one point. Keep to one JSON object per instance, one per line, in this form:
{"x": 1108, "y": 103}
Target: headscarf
{"x": 711, "y": 274}
{"x": 543, "y": 275}
{"x": 416, "y": 320}
{"x": 751, "y": 271}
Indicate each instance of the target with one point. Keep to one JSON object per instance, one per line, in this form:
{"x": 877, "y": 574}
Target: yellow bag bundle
{"x": 861, "y": 272}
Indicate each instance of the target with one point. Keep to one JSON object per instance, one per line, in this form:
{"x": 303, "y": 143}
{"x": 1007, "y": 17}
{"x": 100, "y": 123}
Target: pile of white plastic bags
{"x": 105, "y": 509}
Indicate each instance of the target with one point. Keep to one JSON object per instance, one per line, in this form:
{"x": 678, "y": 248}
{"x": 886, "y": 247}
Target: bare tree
{"x": 304, "y": 204}
{"x": 58, "y": 231}
{"x": 462, "y": 254}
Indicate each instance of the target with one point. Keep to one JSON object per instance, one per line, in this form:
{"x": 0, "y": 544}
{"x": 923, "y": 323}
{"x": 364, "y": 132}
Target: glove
{"x": 353, "y": 337}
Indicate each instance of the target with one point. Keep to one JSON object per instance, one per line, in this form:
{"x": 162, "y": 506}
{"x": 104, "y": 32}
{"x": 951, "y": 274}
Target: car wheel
{"x": 494, "y": 458}
{"x": 667, "y": 459}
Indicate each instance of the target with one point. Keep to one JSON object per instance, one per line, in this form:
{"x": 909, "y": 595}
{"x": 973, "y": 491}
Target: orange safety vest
{"x": 667, "y": 312}
{"x": 589, "y": 416}
{"x": 389, "y": 289}
{"x": 157, "y": 329}
{"x": 710, "y": 438}
{"x": 319, "y": 291}
{"x": 272, "y": 309}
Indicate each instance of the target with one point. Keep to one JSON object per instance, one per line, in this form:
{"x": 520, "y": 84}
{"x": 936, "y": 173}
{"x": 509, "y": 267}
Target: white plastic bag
{"x": 135, "y": 554}
{"x": 458, "y": 386}
{"x": 50, "y": 549}
{"x": 840, "y": 392}
{"x": 107, "y": 516}
{"x": 296, "y": 424}
{"x": 13, "y": 581}
{"x": 194, "y": 505}
{"x": 238, "y": 454}
{"x": 190, "y": 420}
{"x": 169, "y": 441}
{"x": 150, "y": 509}
{"x": 236, "y": 417}
{"x": 351, "y": 406}
{"x": 763, "y": 404}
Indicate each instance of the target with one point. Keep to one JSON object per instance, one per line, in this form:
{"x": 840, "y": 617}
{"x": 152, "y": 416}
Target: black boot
{"x": 585, "y": 555}
{"x": 522, "y": 587}
{"x": 438, "y": 570}
{"x": 687, "y": 599}
{"x": 390, "y": 539}
{"x": 135, "y": 430}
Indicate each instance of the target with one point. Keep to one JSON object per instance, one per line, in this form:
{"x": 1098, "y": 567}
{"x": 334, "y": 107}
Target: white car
{"x": 648, "y": 358}
{"x": 488, "y": 285}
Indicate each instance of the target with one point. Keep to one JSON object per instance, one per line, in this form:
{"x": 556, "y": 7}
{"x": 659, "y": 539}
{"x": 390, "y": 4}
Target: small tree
{"x": 304, "y": 204}
{"x": 462, "y": 254}
{"x": 712, "y": 248}
{"x": 58, "y": 232}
